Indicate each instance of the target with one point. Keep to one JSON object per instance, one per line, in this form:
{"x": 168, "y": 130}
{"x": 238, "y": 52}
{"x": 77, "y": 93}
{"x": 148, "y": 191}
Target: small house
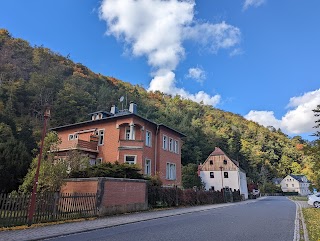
{"x": 219, "y": 171}
{"x": 296, "y": 183}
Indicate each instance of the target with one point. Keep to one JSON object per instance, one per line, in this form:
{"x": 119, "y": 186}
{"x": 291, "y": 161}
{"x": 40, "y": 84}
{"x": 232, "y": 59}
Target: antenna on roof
{"x": 121, "y": 100}
{"x": 126, "y": 101}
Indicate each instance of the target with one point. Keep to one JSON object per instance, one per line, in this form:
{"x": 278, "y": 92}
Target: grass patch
{"x": 299, "y": 198}
{"x": 311, "y": 218}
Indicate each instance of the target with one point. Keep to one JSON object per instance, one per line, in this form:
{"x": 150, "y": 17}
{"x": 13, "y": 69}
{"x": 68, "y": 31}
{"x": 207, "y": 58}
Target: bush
{"x": 169, "y": 197}
{"x": 108, "y": 169}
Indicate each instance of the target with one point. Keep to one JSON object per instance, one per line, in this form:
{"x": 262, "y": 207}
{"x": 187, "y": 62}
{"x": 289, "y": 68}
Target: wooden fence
{"x": 49, "y": 207}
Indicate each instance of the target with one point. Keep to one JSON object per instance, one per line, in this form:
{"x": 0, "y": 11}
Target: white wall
{"x": 231, "y": 182}
{"x": 243, "y": 184}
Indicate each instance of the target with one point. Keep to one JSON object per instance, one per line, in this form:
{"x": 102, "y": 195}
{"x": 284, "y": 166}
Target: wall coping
{"x": 95, "y": 179}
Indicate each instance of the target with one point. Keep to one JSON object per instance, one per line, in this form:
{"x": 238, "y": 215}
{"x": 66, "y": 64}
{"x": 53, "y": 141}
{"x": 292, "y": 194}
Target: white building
{"x": 296, "y": 183}
{"x": 220, "y": 171}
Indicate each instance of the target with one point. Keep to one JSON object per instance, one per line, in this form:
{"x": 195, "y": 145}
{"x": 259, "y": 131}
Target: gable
{"x": 216, "y": 162}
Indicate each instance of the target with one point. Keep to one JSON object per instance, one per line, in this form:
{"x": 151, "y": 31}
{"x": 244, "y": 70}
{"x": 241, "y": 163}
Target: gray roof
{"x": 298, "y": 177}
{"x": 108, "y": 118}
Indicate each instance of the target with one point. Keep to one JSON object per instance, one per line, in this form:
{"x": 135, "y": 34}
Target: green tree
{"x": 52, "y": 172}
{"x": 14, "y": 158}
{"x": 190, "y": 176}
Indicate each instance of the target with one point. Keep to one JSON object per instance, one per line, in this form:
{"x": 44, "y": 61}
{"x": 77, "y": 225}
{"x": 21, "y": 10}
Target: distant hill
{"x": 31, "y": 76}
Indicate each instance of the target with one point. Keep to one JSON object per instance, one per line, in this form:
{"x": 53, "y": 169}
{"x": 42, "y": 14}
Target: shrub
{"x": 108, "y": 169}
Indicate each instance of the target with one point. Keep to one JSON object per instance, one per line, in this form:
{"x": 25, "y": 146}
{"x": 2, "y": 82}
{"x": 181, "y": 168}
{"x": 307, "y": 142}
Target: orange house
{"x": 126, "y": 137}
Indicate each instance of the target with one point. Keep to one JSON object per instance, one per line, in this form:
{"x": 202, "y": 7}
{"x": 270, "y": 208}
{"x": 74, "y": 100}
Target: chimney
{"x": 114, "y": 110}
{"x": 133, "y": 108}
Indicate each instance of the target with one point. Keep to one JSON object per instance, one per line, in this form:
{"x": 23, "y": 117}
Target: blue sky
{"x": 256, "y": 58}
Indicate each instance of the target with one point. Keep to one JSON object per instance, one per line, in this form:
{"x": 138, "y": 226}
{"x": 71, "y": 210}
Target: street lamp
{"x": 46, "y": 115}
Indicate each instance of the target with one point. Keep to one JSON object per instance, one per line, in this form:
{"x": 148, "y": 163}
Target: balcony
{"x": 130, "y": 144}
{"x": 81, "y": 145}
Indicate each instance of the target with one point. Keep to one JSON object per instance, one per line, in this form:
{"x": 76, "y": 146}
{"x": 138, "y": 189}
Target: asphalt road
{"x": 269, "y": 219}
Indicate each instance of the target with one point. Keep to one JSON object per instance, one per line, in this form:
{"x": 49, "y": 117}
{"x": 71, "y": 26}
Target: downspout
{"x": 155, "y": 151}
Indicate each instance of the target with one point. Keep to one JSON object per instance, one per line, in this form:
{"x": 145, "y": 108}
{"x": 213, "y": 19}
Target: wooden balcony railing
{"x": 78, "y": 144}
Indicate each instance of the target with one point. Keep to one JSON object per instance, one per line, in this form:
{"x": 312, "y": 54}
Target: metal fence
{"x": 49, "y": 207}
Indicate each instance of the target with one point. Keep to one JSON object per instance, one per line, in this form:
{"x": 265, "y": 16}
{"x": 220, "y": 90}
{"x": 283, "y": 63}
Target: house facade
{"x": 219, "y": 171}
{"x": 126, "y": 137}
{"x": 296, "y": 183}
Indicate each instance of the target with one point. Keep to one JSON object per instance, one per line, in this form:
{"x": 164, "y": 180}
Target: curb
{"x": 299, "y": 218}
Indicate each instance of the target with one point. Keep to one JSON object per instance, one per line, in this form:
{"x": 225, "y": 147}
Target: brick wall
{"x": 80, "y": 185}
{"x": 115, "y": 195}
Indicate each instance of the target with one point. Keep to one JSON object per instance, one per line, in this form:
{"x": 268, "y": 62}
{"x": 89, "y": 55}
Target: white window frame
{"x": 101, "y": 137}
{"x": 99, "y": 160}
{"x": 165, "y": 142}
{"x": 127, "y": 133}
{"x": 170, "y": 144}
{"x": 135, "y": 159}
{"x": 148, "y": 138}
{"x": 171, "y": 171}
{"x": 176, "y": 146}
{"x": 147, "y": 167}
{"x": 72, "y": 137}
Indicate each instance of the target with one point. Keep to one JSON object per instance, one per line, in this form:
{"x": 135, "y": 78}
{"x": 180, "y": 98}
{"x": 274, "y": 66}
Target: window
{"x": 170, "y": 144}
{"x": 171, "y": 171}
{"x": 176, "y": 146}
{"x": 147, "y": 167}
{"x": 226, "y": 175}
{"x": 212, "y": 188}
{"x": 211, "y": 174}
{"x": 127, "y": 134}
{"x": 72, "y": 137}
{"x": 148, "y": 138}
{"x": 101, "y": 137}
{"x": 165, "y": 142}
{"x": 98, "y": 161}
{"x": 211, "y": 162}
{"x": 130, "y": 159}
{"x": 225, "y": 162}
{"x": 287, "y": 185}
{"x": 292, "y": 185}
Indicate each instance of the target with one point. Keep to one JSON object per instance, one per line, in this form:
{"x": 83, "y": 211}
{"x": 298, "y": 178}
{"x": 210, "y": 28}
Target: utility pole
{"x": 221, "y": 168}
{"x": 35, "y": 184}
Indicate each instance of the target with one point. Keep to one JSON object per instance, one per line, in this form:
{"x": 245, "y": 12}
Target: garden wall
{"x": 114, "y": 195}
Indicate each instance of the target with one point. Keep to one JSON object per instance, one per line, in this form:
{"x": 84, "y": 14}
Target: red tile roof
{"x": 217, "y": 152}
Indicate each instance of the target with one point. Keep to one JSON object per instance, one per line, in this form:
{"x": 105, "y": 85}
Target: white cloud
{"x": 157, "y": 29}
{"x": 198, "y": 74}
{"x": 253, "y": 3}
{"x": 235, "y": 52}
{"x": 299, "y": 119}
{"x": 166, "y": 82}
{"x": 213, "y": 36}
{"x": 265, "y": 118}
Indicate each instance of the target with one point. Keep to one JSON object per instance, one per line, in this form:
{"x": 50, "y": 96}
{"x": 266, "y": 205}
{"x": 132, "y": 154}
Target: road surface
{"x": 271, "y": 218}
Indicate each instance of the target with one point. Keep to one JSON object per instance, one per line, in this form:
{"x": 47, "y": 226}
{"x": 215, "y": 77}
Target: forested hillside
{"x": 31, "y": 76}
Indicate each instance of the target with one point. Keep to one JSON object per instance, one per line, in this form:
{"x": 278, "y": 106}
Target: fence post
{"x": 177, "y": 196}
{"x": 55, "y": 204}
